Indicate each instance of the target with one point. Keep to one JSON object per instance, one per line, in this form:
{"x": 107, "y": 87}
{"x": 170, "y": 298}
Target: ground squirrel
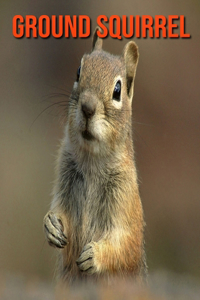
{"x": 96, "y": 216}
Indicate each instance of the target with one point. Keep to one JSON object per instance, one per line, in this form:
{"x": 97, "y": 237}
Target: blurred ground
{"x": 166, "y": 109}
{"x": 161, "y": 286}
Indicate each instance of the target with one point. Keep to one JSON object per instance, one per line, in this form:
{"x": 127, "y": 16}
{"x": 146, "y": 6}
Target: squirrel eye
{"x": 78, "y": 74}
{"x": 117, "y": 91}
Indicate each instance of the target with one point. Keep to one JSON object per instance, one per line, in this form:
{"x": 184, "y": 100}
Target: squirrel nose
{"x": 89, "y": 108}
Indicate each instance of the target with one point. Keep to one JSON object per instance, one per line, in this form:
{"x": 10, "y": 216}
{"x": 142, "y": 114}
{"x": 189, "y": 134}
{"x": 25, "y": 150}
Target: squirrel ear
{"x": 131, "y": 56}
{"x": 97, "y": 41}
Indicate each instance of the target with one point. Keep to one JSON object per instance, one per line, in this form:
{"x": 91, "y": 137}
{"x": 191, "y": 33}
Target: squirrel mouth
{"x": 87, "y": 135}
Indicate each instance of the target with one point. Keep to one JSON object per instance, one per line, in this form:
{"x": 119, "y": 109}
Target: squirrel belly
{"x": 96, "y": 217}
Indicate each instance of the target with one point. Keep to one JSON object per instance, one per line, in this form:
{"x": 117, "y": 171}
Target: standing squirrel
{"x": 96, "y": 216}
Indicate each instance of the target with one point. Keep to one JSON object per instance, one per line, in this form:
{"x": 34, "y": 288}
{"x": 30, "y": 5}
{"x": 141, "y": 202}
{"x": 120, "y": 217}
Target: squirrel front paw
{"x": 53, "y": 229}
{"x": 86, "y": 261}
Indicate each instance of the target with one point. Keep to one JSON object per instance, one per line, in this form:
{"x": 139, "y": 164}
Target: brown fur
{"x": 96, "y": 216}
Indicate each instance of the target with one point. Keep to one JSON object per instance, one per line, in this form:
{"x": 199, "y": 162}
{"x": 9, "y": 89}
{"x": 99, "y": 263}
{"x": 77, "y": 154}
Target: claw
{"x": 85, "y": 262}
{"x": 54, "y": 231}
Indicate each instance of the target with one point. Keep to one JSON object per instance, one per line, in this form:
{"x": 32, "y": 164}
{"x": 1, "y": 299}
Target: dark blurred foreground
{"x": 161, "y": 286}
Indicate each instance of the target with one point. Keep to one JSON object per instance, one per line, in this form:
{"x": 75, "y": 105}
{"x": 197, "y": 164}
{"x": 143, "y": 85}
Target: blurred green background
{"x": 166, "y": 111}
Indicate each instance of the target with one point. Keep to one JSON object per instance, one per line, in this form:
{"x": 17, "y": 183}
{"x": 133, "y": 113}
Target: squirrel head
{"x": 99, "y": 115}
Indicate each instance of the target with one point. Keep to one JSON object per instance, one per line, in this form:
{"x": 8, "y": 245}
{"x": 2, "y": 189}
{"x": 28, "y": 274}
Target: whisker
{"x": 143, "y": 140}
{"x": 61, "y": 104}
{"x": 54, "y": 95}
{"x": 57, "y": 88}
{"x": 143, "y": 123}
